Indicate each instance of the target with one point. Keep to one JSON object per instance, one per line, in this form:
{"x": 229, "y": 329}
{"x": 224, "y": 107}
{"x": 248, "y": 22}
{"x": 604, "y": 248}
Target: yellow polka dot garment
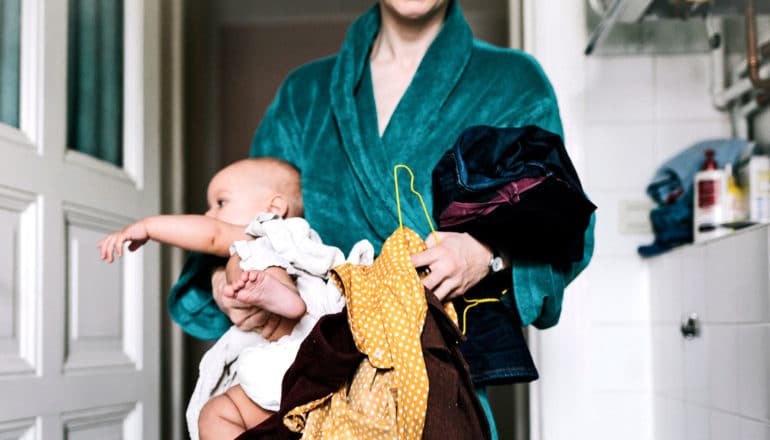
{"x": 387, "y": 397}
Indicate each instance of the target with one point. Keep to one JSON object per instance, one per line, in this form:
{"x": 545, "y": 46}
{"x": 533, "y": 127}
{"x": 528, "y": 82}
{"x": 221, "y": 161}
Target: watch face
{"x": 496, "y": 264}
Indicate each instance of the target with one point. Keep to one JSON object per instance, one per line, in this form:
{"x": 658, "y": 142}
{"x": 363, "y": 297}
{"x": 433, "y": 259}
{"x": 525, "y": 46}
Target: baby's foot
{"x": 259, "y": 288}
{"x": 251, "y": 287}
{"x": 231, "y": 290}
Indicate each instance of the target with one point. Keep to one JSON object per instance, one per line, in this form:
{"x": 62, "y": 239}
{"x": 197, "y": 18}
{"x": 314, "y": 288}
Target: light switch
{"x": 634, "y": 216}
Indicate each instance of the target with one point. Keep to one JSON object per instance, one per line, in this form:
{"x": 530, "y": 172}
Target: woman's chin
{"x": 414, "y": 10}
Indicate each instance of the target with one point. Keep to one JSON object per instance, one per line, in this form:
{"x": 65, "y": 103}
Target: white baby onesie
{"x": 246, "y": 358}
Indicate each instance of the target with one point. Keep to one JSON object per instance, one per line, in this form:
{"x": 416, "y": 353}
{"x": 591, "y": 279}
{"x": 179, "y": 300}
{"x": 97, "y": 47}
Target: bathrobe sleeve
{"x": 190, "y": 302}
{"x": 538, "y": 288}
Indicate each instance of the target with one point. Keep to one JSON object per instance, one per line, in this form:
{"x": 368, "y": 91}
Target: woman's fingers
{"x": 250, "y": 318}
{"x": 456, "y": 262}
{"x": 426, "y": 258}
{"x": 269, "y": 328}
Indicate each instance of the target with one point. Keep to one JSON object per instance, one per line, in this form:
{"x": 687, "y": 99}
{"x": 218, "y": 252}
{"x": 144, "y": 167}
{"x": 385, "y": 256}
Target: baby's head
{"x": 242, "y": 189}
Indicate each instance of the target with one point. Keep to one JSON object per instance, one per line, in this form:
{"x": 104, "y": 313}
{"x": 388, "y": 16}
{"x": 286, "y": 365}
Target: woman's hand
{"x": 457, "y": 262}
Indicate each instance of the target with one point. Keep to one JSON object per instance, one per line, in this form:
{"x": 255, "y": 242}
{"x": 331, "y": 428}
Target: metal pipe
{"x": 724, "y": 97}
{"x": 751, "y": 40}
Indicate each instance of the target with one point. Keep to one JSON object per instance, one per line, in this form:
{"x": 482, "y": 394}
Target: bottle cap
{"x": 710, "y": 163}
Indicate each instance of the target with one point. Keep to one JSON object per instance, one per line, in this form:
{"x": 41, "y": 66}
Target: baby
{"x": 284, "y": 269}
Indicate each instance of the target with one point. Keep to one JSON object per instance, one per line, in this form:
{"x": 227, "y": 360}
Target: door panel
{"x": 18, "y": 216}
{"x": 79, "y": 339}
{"x": 95, "y": 340}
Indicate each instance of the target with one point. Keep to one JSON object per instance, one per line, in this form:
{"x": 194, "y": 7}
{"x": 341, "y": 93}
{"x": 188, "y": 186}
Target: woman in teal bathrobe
{"x": 345, "y": 121}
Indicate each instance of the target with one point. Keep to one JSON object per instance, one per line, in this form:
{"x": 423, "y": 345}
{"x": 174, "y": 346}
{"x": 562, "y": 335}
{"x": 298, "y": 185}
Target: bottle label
{"x": 708, "y": 193}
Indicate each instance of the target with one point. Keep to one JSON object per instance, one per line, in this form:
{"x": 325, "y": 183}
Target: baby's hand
{"x": 113, "y": 243}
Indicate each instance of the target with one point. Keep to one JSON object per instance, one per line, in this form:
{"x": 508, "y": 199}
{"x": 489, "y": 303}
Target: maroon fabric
{"x": 325, "y": 361}
{"x": 328, "y": 358}
{"x": 461, "y": 212}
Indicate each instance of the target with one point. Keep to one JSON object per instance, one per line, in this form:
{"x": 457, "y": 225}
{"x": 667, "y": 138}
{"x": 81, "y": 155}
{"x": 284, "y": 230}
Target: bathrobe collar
{"x": 416, "y": 115}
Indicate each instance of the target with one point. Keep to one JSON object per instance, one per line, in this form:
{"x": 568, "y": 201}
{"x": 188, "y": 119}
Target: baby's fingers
{"x": 119, "y": 246}
{"x": 115, "y": 246}
{"x": 105, "y": 248}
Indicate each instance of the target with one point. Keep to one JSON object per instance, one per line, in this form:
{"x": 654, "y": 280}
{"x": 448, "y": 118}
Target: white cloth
{"x": 250, "y": 360}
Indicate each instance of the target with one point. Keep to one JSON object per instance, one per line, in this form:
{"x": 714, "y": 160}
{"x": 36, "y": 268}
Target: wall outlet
{"x": 634, "y": 216}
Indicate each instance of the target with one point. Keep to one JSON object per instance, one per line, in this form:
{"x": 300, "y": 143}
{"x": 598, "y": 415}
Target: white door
{"x": 79, "y": 339}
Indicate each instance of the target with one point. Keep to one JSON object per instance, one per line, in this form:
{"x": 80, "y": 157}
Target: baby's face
{"x": 232, "y": 198}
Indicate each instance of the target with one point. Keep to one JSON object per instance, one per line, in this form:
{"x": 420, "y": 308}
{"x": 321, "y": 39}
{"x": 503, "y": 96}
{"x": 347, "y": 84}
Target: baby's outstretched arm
{"x": 271, "y": 289}
{"x": 191, "y": 232}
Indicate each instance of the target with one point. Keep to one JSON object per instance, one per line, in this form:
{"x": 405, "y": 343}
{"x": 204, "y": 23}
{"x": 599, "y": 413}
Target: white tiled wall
{"x": 725, "y": 372}
{"x": 623, "y": 116}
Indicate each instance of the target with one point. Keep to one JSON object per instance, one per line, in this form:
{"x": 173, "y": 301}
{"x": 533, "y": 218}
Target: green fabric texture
{"x": 95, "y": 79}
{"x": 323, "y": 121}
{"x": 10, "y": 56}
{"x": 191, "y": 304}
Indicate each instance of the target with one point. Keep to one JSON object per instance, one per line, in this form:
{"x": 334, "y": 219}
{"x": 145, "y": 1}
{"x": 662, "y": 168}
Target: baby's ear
{"x": 279, "y": 205}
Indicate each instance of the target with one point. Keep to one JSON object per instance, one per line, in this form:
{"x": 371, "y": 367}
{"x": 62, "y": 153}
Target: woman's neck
{"x": 404, "y": 41}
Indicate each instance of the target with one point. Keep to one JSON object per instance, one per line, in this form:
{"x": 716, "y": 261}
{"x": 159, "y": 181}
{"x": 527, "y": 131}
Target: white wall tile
{"x": 721, "y": 266}
{"x": 723, "y": 365}
{"x": 666, "y": 288}
{"x": 621, "y": 415}
{"x": 620, "y": 89}
{"x": 669, "y": 419}
{"x": 682, "y": 88}
{"x": 750, "y": 429}
{"x": 725, "y": 426}
{"x": 697, "y": 424}
{"x": 564, "y": 392}
{"x": 673, "y": 137}
{"x": 694, "y": 279}
{"x": 668, "y": 361}
{"x": 697, "y": 366}
{"x": 619, "y": 156}
{"x": 620, "y": 291}
{"x": 752, "y": 290}
{"x": 754, "y": 371}
{"x": 621, "y": 358}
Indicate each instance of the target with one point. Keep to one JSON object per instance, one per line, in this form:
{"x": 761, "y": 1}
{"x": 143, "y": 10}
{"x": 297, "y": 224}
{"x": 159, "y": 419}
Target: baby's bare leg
{"x": 230, "y": 414}
{"x": 263, "y": 289}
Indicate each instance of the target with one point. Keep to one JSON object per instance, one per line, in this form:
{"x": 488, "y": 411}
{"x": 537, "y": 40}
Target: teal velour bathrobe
{"x": 323, "y": 120}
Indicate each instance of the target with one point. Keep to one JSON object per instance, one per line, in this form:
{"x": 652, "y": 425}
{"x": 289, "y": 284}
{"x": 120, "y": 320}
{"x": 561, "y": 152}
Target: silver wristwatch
{"x": 496, "y": 263}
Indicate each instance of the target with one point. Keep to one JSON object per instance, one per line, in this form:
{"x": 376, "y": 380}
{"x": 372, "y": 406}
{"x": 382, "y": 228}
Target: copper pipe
{"x": 751, "y": 40}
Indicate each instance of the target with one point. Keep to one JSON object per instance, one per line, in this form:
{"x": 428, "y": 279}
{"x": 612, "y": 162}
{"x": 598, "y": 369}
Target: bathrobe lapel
{"x": 414, "y": 124}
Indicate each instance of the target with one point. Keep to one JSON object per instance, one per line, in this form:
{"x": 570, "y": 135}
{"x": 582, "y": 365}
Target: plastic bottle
{"x": 710, "y": 189}
{"x": 735, "y": 199}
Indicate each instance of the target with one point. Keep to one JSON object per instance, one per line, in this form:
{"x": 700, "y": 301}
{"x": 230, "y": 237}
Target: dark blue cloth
{"x": 547, "y": 223}
{"x": 494, "y": 347}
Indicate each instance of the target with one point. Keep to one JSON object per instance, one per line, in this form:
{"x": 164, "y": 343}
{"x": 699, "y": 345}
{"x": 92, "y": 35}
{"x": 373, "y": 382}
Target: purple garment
{"x": 462, "y": 212}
